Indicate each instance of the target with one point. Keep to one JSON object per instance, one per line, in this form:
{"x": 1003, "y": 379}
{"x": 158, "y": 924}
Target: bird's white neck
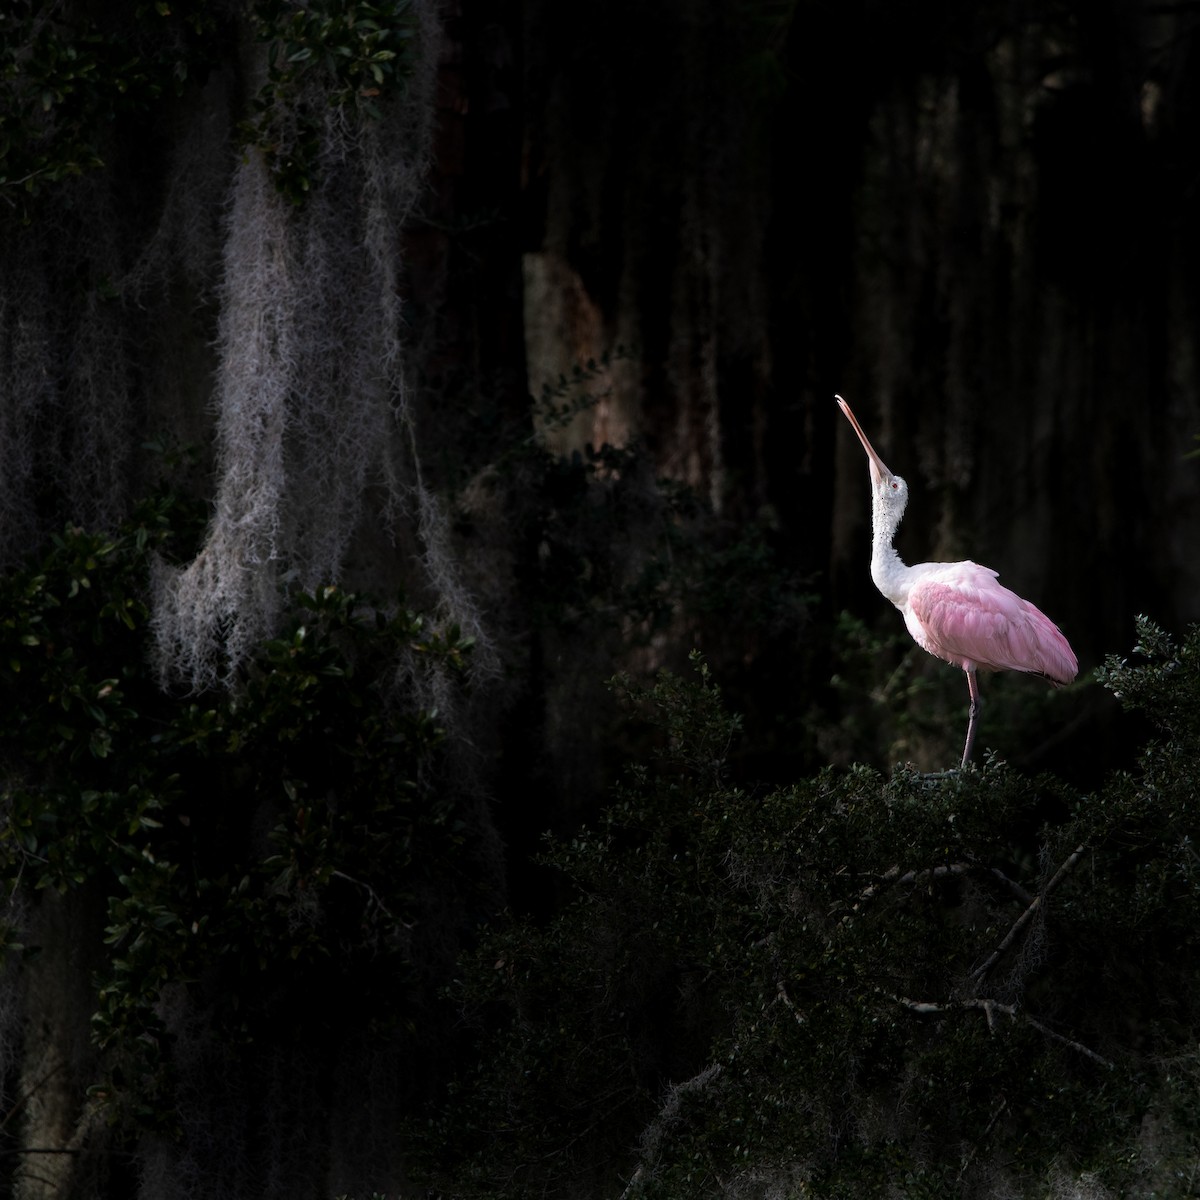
{"x": 888, "y": 571}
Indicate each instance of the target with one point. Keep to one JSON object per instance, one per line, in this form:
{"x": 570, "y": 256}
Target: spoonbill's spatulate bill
{"x": 958, "y": 611}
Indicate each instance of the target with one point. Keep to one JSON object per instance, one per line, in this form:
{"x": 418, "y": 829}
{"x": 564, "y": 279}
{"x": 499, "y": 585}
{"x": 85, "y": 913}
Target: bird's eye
{"x": 895, "y": 486}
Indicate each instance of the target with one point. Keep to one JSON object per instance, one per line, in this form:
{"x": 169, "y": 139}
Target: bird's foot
{"x": 932, "y": 777}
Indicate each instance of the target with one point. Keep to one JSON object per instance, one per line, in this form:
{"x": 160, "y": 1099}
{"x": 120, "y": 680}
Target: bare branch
{"x": 1023, "y": 894}
{"x": 980, "y": 972}
{"x": 782, "y": 996}
{"x": 668, "y": 1116}
{"x": 989, "y": 1008}
{"x": 893, "y": 875}
{"x": 374, "y": 897}
{"x": 889, "y": 876}
{"x": 1066, "y": 1041}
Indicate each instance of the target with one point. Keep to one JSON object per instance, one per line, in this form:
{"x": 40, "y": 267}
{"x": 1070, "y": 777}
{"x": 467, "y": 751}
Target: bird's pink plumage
{"x": 964, "y": 615}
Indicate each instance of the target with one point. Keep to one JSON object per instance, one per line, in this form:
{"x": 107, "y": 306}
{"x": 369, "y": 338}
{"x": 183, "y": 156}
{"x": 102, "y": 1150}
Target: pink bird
{"x": 958, "y": 611}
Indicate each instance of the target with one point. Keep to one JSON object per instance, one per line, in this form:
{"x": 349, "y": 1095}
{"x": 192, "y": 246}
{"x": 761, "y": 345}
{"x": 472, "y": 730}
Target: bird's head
{"x": 887, "y": 489}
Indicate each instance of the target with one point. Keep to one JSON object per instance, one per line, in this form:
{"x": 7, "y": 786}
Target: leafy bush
{"x": 261, "y": 850}
{"x": 973, "y": 983}
{"x": 967, "y": 984}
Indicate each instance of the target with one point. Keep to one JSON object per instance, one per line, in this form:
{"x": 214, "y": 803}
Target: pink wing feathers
{"x": 961, "y": 613}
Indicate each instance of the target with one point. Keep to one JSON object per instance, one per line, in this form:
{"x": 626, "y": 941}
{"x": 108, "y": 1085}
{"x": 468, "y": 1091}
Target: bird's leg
{"x": 976, "y": 704}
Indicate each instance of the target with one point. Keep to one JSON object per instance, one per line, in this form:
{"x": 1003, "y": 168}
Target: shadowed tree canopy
{"x": 509, "y": 330}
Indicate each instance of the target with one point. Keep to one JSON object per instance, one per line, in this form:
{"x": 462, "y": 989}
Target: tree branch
{"x": 374, "y": 896}
{"x": 668, "y": 1115}
{"x": 782, "y": 996}
{"x": 1066, "y": 1041}
{"x": 894, "y": 876}
{"x": 989, "y": 1008}
{"x": 980, "y": 972}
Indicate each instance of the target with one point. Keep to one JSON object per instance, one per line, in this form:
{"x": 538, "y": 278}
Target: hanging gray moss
{"x": 248, "y": 306}
{"x": 317, "y": 433}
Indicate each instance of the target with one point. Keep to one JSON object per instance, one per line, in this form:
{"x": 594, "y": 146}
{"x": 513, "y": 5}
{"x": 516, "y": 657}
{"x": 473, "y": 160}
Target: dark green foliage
{"x": 67, "y": 72}
{"x": 621, "y": 550}
{"x": 614, "y": 565}
{"x": 261, "y": 850}
{"x": 353, "y": 53}
{"x": 360, "y": 48}
{"x": 856, "y": 985}
{"x": 1166, "y": 687}
{"x": 937, "y": 985}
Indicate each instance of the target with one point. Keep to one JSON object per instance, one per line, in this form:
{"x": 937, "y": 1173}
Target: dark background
{"x": 652, "y": 242}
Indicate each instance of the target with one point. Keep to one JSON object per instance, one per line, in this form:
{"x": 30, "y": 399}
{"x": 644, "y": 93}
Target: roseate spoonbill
{"x": 958, "y": 611}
